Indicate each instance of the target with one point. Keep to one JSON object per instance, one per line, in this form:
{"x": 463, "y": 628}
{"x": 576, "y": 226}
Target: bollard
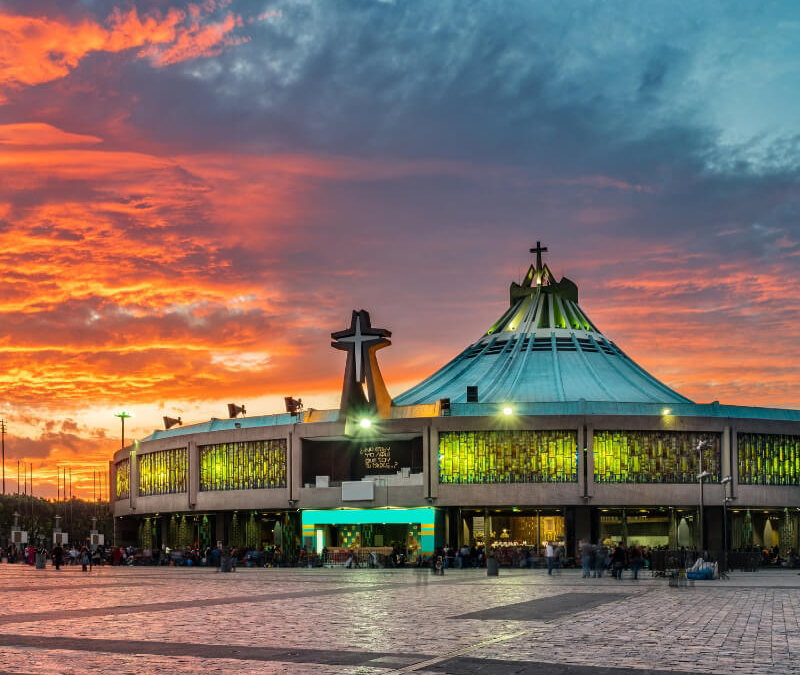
{"x": 225, "y": 564}
{"x": 40, "y": 561}
{"x": 492, "y": 569}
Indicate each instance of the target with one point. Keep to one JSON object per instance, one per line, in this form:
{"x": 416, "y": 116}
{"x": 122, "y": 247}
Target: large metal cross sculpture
{"x": 361, "y": 341}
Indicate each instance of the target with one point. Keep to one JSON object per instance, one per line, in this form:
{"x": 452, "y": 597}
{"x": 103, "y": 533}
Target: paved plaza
{"x": 183, "y": 620}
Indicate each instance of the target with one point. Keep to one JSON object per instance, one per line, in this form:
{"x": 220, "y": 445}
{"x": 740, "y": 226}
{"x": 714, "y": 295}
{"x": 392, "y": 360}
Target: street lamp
{"x": 123, "y": 416}
{"x": 725, "y": 499}
{"x": 702, "y": 445}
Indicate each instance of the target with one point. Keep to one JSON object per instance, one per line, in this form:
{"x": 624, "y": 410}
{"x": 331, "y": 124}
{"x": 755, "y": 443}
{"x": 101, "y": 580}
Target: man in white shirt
{"x": 549, "y": 553}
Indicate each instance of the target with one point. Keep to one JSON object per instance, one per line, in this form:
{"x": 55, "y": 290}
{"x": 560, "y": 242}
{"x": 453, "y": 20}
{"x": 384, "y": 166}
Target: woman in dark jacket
{"x": 618, "y": 561}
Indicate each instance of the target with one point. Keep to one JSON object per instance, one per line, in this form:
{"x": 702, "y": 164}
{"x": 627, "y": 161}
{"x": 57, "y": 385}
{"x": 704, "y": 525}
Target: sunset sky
{"x": 193, "y": 196}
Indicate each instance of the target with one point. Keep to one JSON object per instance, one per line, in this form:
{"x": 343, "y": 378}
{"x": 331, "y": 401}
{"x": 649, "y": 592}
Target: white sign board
{"x": 358, "y": 490}
{"x": 19, "y": 537}
{"x": 60, "y": 538}
{"x": 98, "y": 539}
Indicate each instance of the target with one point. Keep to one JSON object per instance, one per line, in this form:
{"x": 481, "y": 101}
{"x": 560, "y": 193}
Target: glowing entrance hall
{"x": 381, "y": 530}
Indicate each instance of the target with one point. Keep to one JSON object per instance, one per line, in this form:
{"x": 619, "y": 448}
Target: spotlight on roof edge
{"x": 365, "y": 423}
{"x": 234, "y": 410}
{"x": 293, "y": 406}
{"x": 508, "y": 410}
{"x": 170, "y": 422}
{"x": 666, "y": 411}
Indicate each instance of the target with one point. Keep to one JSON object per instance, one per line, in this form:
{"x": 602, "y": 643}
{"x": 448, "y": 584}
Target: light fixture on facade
{"x": 234, "y": 410}
{"x": 365, "y": 423}
{"x": 508, "y": 410}
{"x": 666, "y": 411}
{"x": 170, "y": 422}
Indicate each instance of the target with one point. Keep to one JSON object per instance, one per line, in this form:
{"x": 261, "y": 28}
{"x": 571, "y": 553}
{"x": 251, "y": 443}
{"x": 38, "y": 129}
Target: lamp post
{"x": 702, "y": 445}
{"x": 123, "y": 416}
{"x": 725, "y": 499}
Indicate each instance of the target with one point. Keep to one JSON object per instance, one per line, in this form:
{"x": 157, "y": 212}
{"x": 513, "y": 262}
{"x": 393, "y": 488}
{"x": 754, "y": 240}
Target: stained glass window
{"x": 768, "y": 459}
{"x": 122, "y": 489}
{"x": 248, "y": 465}
{"x": 508, "y": 456}
{"x": 654, "y": 456}
{"x": 162, "y": 472}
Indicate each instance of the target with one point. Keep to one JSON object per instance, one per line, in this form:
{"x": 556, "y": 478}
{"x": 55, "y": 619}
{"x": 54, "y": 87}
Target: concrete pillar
{"x": 589, "y": 460}
{"x": 134, "y": 479}
{"x": 734, "y": 486}
{"x": 294, "y": 456}
{"x": 193, "y": 469}
{"x": 430, "y": 454}
{"x": 581, "y": 465}
{"x": 219, "y": 527}
{"x": 583, "y": 523}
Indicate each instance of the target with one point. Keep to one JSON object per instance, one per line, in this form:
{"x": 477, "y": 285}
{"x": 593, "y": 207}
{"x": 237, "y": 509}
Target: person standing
{"x": 85, "y": 559}
{"x": 637, "y": 558}
{"x": 586, "y": 557}
{"x": 600, "y": 555}
{"x": 618, "y": 561}
{"x": 58, "y": 556}
{"x": 549, "y": 554}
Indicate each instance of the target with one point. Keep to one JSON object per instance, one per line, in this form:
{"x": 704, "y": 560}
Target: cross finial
{"x": 538, "y": 251}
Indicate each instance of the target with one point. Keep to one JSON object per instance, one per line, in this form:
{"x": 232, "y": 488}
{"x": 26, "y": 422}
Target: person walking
{"x": 549, "y": 554}
{"x": 85, "y": 559}
{"x": 618, "y": 561}
{"x": 58, "y": 556}
{"x": 600, "y": 555}
{"x": 586, "y": 557}
{"x": 637, "y": 558}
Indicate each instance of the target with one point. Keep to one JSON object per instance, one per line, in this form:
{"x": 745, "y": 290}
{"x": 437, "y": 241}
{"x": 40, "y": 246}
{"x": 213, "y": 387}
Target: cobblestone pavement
{"x": 387, "y": 622}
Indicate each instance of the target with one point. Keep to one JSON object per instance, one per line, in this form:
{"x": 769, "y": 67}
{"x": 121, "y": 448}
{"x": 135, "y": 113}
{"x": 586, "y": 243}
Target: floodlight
{"x": 705, "y": 474}
{"x": 725, "y": 480}
{"x": 170, "y": 422}
{"x": 365, "y": 423}
{"x": 293, "y": 406}
{"x": 508, "y": 410}
{"x": 666, "y": 411}
{"x": 234, "y": 410}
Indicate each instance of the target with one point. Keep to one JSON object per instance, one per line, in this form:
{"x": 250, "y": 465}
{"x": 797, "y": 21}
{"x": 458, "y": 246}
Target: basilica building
{"x": 542, "y": 429}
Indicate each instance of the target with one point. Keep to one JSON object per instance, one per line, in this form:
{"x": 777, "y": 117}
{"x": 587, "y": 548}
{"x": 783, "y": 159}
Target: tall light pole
{"x": 725, "y": 500}
{"x": 702, "y": 445}
{"x": 123, "y": 416}
{"x": 3, "y": 444}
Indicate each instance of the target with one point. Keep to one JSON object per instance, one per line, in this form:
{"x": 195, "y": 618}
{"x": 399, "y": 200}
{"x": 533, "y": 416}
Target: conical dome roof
{"x": 544, "y": 348}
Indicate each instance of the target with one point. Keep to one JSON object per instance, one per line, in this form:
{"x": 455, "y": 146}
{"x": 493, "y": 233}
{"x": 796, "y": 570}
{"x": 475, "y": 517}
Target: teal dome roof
{"x": 544, "y": 348}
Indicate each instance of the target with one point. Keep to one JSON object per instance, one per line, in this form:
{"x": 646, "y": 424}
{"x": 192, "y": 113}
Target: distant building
{"x": 542, "y": 429}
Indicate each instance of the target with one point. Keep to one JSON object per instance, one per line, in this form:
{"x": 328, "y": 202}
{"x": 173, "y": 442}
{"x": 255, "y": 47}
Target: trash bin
{"x": 225, "y": 563}
{"x": 492, "y": 569}
{"x": 40, "y": 561}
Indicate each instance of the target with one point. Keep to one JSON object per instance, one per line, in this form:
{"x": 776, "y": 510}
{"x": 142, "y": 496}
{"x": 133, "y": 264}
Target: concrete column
{"x": 581, "y": 461}
{"x": 193, "y": 469}
{"x": 734, "y": 444}
{"x": 134, "y": 479}
{"x": 432, "y": 462}
{"x": 725, "y": 453}
{"x": 294, "y": 476}
{"x": 590, "y": 460}
{"x": 219, "y": 527}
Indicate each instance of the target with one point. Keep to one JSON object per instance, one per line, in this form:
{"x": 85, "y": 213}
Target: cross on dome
{"x": 539, "y": 269}
{"x": 359, "y": 336}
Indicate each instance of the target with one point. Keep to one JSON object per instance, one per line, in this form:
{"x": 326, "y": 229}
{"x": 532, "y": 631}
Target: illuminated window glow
{"x": 654, "y": 456}
{"x": 768, "y": 459}
{"x": 250, "y": 465}
{"x": 162, "y": 472}
{"x": 508, "y": 456}
{"x": 122, "y": 489}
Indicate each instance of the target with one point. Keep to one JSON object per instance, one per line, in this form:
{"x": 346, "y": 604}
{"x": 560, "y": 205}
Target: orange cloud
{"x": 37, "y": 133}
{"x": 34, "y": 50}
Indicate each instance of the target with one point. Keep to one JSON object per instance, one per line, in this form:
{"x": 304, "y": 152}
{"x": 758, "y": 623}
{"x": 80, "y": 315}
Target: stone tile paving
{"x": 178, "y": 621}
